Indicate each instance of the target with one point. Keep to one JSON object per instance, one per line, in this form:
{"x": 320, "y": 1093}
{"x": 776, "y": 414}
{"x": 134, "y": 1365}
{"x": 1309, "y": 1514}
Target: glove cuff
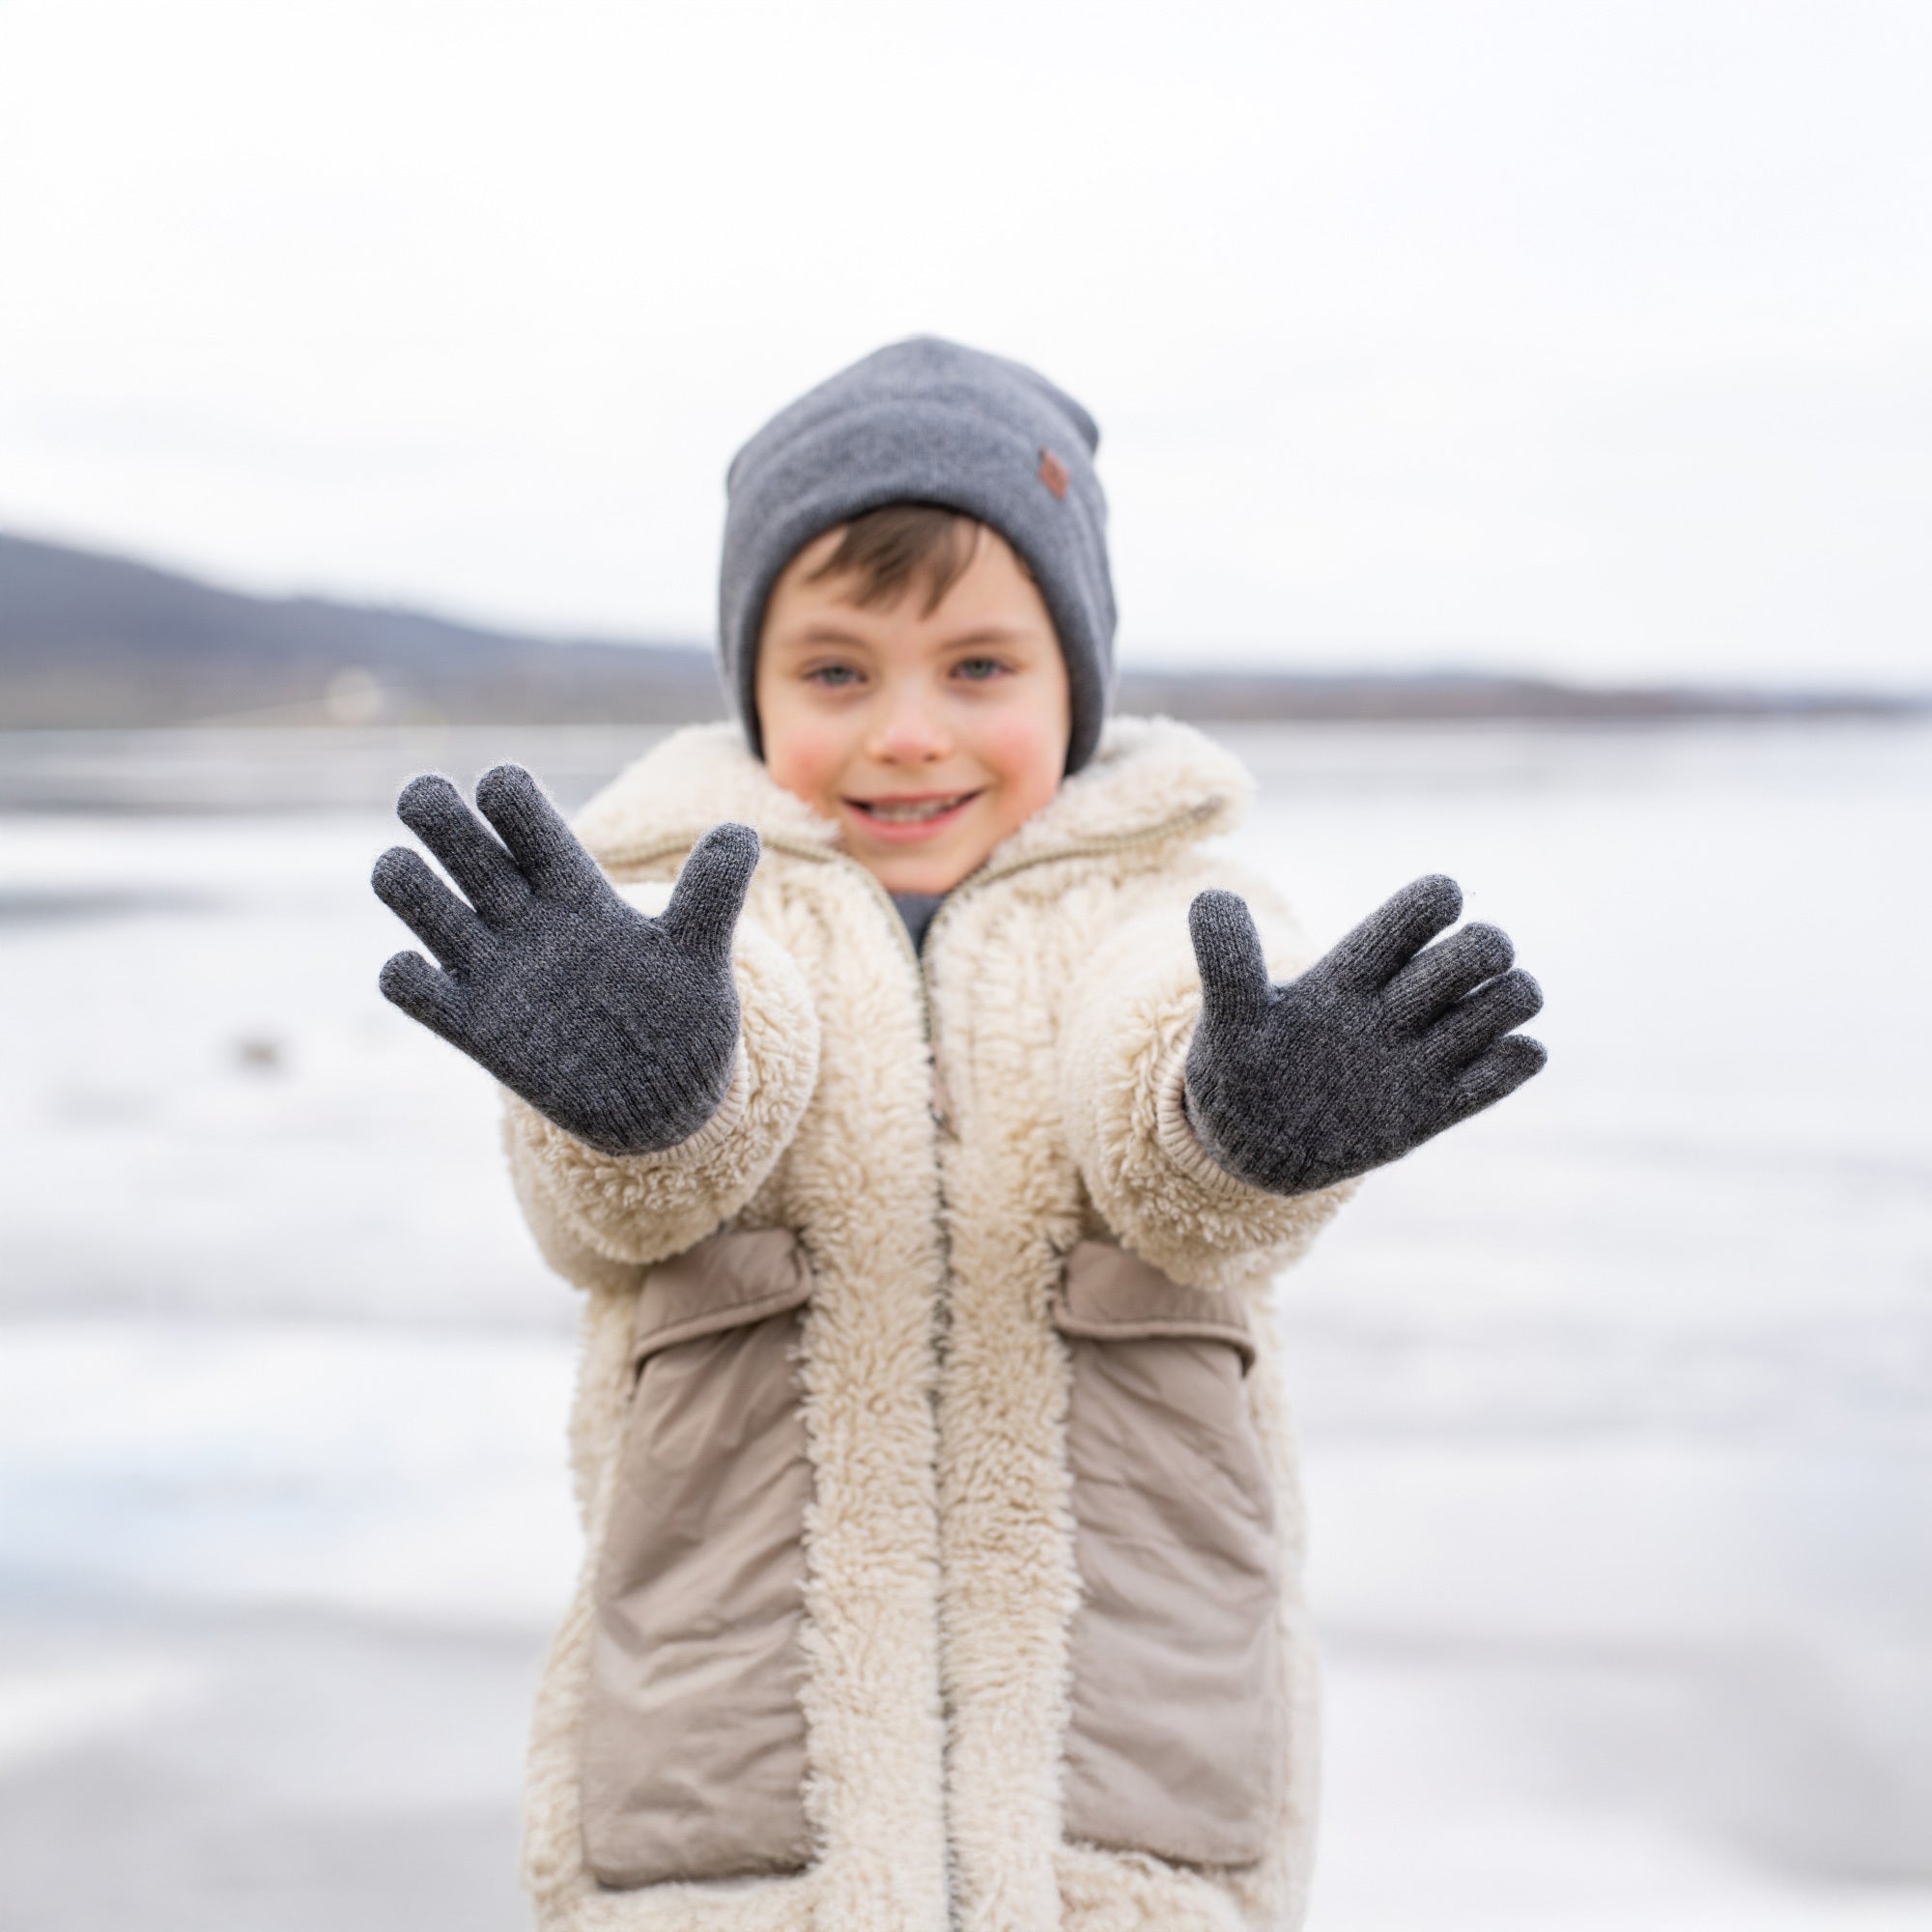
{"x": 1178, "y": 1136}
{"x": 722, "y": 1122}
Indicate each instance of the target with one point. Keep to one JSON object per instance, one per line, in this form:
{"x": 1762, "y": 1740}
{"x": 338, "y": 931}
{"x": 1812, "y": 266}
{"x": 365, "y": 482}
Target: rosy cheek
{"x": 806, "y": 755}
{"x": 1027, "y": 756}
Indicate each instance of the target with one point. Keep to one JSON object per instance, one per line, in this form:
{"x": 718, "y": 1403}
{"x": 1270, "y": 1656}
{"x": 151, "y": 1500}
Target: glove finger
{"x": 1372, "y": 952}
{"x": 1501, "y": 1070}
{"x": 710, "y": 890}
{"x": 1234, "y": 983}
{"x": 1471, "y": 1026}
{"x": 404, "y": 882}
{"x": 1439, "y": 975}
{"x": 433, "y": 809}
{"x": 433, "y": 999}
{"x": 551, "y": 857}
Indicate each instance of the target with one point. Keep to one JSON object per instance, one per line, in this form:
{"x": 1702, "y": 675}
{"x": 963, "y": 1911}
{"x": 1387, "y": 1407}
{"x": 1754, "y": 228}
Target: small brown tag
{"x": 1053, "y": 473}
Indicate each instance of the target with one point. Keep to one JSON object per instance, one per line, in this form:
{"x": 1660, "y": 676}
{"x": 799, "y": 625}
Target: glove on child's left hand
{"x": 1377, "y": 1046}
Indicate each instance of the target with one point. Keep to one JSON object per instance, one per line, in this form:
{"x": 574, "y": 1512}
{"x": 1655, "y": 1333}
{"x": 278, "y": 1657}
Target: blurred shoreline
{"x": 219, "y": 769}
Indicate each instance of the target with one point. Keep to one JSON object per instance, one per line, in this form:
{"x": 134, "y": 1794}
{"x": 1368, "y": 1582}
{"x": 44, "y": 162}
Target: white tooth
{"x": 913, "y": 812}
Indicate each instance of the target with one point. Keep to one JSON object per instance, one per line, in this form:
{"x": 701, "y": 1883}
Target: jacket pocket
{"x": 1176, "y": 1738}
{"x": 694, "y": 1739}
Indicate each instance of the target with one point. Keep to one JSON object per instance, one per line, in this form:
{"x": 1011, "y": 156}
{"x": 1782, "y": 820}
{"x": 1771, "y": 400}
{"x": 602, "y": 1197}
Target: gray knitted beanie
{"x": 928, "y": 421}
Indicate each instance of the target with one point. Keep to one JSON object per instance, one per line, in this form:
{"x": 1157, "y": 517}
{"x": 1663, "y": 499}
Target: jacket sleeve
{"x": 599, "y": 1219}
{"x": 1130, "y": 1019}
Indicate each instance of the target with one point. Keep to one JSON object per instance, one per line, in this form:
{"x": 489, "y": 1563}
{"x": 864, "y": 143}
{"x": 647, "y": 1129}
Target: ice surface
{"x": 1616, "y": 1402}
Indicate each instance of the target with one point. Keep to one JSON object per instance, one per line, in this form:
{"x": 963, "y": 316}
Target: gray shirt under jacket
{"x": 917, "y": 910}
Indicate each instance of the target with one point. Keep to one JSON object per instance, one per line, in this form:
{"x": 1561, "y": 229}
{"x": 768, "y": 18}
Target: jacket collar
{"x": 1151, "y": 778}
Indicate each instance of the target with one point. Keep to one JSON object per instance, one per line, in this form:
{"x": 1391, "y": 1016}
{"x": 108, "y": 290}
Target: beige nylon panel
{"x": 1176, "y": 1741}
{"x": 693, "y": 1741}
{"x": 1112, "y": 1295}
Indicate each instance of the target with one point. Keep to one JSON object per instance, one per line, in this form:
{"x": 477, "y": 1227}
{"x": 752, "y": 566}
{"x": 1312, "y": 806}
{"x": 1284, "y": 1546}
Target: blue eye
{"x": 837, "y": 676}
{"x": 979, "y": 669}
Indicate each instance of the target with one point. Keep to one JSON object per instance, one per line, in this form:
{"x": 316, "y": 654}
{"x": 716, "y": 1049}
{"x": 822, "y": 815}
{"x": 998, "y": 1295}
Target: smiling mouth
{"x": 910, "y": 810}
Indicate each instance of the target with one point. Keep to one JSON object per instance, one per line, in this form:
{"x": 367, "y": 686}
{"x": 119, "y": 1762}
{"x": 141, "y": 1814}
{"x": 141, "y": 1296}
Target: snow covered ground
{"x": 1616, "y": 1402}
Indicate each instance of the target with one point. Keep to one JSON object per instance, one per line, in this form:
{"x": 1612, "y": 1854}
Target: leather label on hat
{"x": 1053, "y": 473}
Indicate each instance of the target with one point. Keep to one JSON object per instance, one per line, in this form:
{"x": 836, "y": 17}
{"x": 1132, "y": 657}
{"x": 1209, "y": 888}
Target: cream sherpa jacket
{"x": 941, "y": 1522}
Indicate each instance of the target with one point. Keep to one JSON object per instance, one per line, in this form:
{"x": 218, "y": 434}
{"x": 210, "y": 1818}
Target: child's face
{"x": 927, "y": 737}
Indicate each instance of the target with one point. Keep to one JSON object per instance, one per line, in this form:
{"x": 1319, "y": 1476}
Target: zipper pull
{"x": 941, "y": 1100}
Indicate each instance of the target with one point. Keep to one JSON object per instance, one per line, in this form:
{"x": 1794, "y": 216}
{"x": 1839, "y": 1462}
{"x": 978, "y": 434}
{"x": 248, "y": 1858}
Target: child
{"x": 909, "y": 1087}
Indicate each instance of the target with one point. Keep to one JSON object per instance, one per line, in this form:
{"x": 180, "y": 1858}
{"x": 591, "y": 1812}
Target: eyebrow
{"x": 983, "y": 634}
{"x": 989, "y": 634}
{"x": 824, "y": 634}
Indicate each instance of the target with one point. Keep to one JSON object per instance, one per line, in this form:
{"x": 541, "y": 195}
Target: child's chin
{"x": 938, "y": 870}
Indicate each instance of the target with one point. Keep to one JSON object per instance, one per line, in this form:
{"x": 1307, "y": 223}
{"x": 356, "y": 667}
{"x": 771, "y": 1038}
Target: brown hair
{"x": 891, "y": 549}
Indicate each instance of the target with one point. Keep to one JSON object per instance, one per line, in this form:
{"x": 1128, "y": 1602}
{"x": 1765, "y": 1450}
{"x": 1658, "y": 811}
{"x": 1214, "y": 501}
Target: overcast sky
{"x": 1586, "y": 335}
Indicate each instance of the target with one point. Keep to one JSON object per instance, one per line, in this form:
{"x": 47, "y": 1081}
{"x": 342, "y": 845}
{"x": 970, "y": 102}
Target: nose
{"x": 907, "y": 729}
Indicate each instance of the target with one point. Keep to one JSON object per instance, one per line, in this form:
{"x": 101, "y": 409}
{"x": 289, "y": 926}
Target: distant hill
{"x": 88, "y": 638}
{"x": 1462, "y": 695}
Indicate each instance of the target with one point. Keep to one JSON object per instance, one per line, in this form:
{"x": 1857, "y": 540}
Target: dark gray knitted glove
{"x": 620, "y": 1028}
{"x": 1381, "y": 1044}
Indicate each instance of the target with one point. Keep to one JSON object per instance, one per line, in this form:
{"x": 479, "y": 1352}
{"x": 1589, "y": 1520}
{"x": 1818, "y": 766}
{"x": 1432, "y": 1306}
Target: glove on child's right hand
{"x": 620, "y": 1028}
{"x": 1380, "y": 1045}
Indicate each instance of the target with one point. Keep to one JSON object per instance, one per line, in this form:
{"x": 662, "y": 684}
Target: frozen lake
{"x": 1616, "y": 1402}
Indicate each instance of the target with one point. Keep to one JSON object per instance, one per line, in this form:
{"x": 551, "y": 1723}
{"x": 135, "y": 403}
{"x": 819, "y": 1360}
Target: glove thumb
{"x": 1234, "y": 982}
{"x": 710, "y": 890}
